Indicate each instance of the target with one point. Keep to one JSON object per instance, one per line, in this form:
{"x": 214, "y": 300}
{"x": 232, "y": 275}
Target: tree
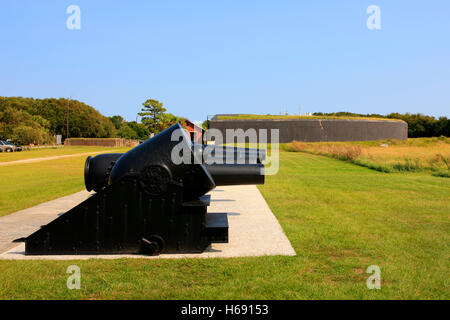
{"x": 24, "y": 134}
{"x": 168, "y": 119}
{"x": 51, "y": 115}
{"x": 117, "y": 121}
{"x": 205, "y": 125}
{"x": 152, "y": 114}
{"x": 127, "y": 132}
{"x": 141, "y": 130}
{"x": 22, "y": 128}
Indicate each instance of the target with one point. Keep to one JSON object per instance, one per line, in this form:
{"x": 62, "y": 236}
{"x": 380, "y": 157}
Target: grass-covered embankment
{"x": 294, "y": 117}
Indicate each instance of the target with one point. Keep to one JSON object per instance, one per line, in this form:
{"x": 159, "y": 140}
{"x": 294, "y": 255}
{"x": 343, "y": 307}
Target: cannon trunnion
{"x": 144, "y": 203}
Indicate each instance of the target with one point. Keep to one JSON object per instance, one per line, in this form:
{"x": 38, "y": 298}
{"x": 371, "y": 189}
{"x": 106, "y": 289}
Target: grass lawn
{"x": 54, "y": 152}
{"x": 27, "y": 184}
{"x": 340, "y": 219}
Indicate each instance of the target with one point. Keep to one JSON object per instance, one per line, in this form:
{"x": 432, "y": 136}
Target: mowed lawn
{"x": 54, "y": 152}
{"x": 27, "y": 184}
{"x": 340, "y": 218}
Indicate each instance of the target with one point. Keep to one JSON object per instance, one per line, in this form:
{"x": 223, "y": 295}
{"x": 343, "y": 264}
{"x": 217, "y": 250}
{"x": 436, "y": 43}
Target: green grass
{"x": 27, "y": 184}
{"x": 292, "y": 117}
{"x": 340, "y": 219}
{"x": 442, "y": 174}
{"x": 52, "y": 152}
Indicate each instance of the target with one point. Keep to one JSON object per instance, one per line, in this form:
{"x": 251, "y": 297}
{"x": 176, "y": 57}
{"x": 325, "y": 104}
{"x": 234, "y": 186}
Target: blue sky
{"x": 207, "y": 57}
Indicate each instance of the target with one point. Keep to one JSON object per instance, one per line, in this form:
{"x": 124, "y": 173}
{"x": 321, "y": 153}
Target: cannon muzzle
{"x": 236, "y": 174}
{"x": 97, "y": 170}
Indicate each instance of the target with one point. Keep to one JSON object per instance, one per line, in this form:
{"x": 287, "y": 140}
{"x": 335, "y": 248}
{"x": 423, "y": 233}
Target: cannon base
{"x": 125, "y": 219}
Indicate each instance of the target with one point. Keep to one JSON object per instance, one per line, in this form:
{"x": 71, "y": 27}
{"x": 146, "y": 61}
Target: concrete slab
{"x": 24, "y": 222}
{"x": 253, "y": 229}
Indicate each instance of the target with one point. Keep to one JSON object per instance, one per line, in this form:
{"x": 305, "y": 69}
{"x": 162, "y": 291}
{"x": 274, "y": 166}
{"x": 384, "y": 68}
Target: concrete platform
{"x": 23, "y": 223}
{"x": 253, "y": 229}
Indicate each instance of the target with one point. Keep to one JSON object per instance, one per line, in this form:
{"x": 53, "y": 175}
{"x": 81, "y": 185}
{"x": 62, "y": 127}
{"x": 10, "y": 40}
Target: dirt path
{"x": 9, "y": 163}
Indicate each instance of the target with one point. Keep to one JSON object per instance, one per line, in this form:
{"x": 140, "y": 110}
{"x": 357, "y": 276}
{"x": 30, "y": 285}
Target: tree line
{"x": 419, "y": 125}
{"x": 37, "y": 121}
{"x": 29, "y": 120}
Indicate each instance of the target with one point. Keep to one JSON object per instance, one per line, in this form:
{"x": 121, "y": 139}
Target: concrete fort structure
{"x": 314, "y": 130}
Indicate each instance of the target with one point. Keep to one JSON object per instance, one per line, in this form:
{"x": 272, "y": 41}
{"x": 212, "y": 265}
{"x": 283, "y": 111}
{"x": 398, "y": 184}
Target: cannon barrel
{"x": 245, "y": 169}
{"x": 236, "y": 174}
{"x": 227, "y": 154}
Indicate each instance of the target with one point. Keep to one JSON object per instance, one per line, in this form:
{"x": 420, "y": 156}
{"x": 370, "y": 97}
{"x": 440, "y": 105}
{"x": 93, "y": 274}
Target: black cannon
{"x": 146, "y": 203}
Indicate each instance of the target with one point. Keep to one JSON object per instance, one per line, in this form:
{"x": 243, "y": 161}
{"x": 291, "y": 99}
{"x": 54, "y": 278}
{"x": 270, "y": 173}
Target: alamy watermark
{"x": 73, "y": 22}
{"x": 374, "y": 280}
{"x": 374, "y": 20}
{"x": 74, "y": 280}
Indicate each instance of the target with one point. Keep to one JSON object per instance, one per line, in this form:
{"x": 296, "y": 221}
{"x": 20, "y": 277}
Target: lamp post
{"x": 68, "y": 103}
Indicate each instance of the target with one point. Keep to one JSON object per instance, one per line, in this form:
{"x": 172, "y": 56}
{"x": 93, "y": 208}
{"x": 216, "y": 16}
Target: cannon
{"x": 245, "y": 167}
{"x": 146, "y": 203}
